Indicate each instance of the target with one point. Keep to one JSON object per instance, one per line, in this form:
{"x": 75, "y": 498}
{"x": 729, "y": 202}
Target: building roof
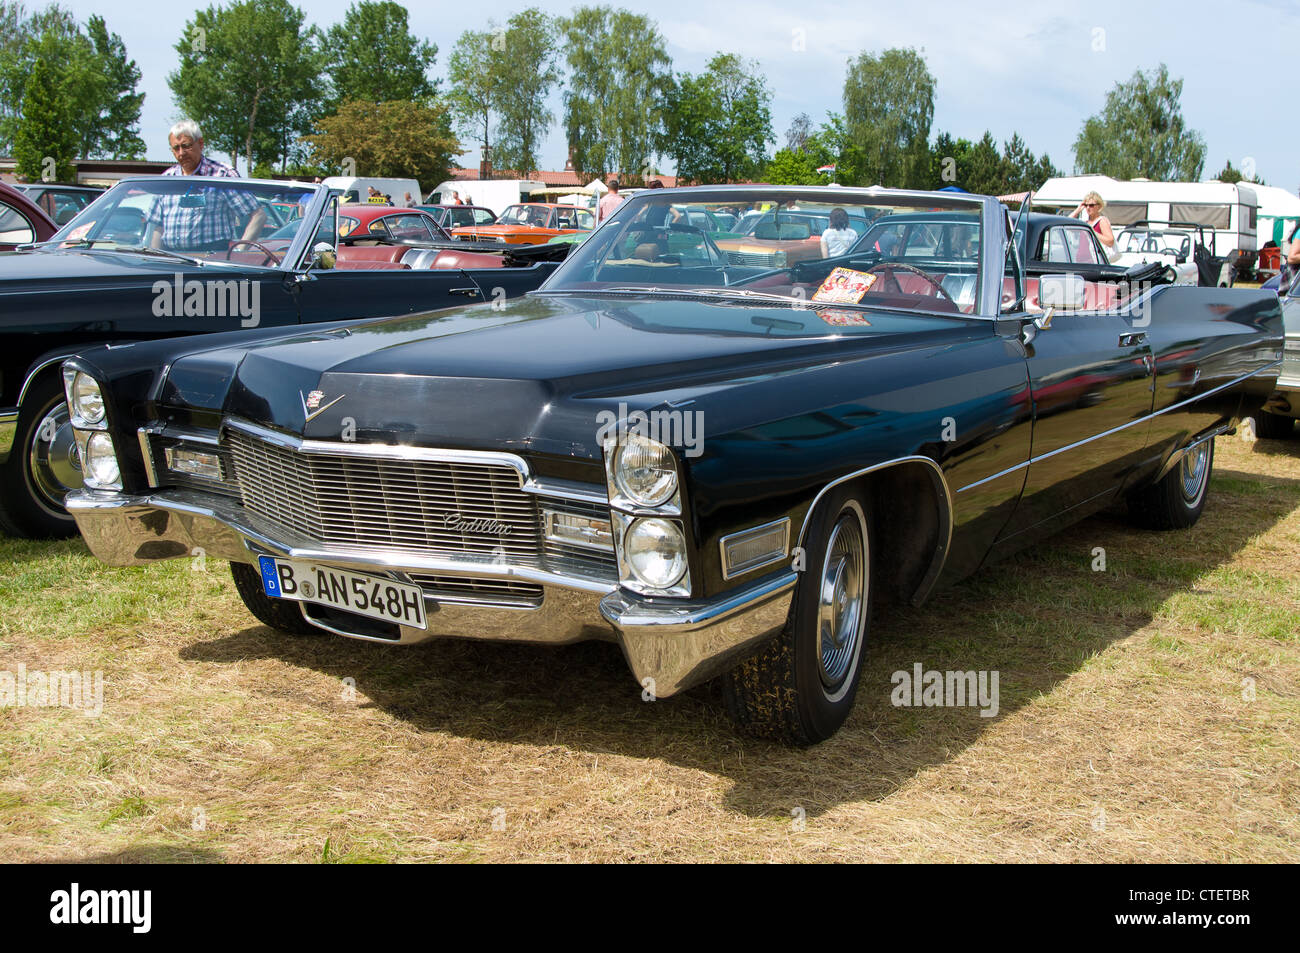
{"x": 563, "y": 178}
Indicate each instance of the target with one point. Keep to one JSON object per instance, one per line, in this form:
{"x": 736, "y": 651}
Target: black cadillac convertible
{"x": 163, "y": 256}
{"x": 717, "y": 464}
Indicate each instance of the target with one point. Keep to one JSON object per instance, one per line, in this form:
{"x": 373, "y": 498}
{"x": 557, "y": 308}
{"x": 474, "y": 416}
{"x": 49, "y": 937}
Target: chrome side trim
{"x": 8, "y": 430}
{"x": 146, "y": 453}
{"x": 36, "y": 371}
{"x": 945, "y": 515}
{"x": 567, "y": 490}
{"x": 1181, "y": 452}
{"x": 1114, "y": 430}
{"x": 380, "y": 450}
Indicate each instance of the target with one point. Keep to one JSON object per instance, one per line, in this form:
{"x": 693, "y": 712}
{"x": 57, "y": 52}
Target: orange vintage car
{"x": 531, "y": 223}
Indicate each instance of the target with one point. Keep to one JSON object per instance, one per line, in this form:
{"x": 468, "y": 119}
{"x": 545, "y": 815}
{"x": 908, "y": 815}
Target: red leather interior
{"x": 363, "y": 265}
{"x": 449, "y": 258}
{"x": 390, "y": 253}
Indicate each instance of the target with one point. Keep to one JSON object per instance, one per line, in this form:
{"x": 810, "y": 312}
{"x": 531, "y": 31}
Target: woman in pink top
{"x": 1090, "y": 209}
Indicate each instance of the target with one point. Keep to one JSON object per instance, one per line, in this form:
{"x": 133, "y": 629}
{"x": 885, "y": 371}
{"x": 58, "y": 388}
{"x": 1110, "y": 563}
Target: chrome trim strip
{"x": 380, "y": 450}
{"x": 146, "y": 453}
{"x": 27, "y": 382}
{"x": 1115, "y": 430}
{"x": 727, "y": 574}
{"x": 8, "y": 431}
{"x": 566, "y": 490}
{"x": 946, "y": 516}
{"x": 621, "y": 609}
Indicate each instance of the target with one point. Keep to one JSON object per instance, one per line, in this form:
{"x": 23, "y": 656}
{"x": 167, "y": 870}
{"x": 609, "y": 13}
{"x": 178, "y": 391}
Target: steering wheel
{"x": 270, "y": 255}
{"x": 892, "y": 266}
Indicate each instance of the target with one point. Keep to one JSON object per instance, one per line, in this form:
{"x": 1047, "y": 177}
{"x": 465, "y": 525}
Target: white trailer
{"x": 496, "y": 194}
{"x": 1228, "y": 212}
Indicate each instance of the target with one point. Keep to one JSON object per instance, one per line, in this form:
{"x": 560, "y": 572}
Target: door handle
{"x": 1132, "y": 338}
{"x": 467, "y": 292}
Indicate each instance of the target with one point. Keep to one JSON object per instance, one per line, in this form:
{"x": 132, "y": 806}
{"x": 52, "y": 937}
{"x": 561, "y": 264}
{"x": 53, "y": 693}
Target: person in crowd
{"x": 1290, "y": 261}
{"x": 206, "y": 220}
{"x": 838, "y": 238}
{"x": 611, "y": 201}
{"x": 186, "y": 142}
{"x": 1090, "y": 211}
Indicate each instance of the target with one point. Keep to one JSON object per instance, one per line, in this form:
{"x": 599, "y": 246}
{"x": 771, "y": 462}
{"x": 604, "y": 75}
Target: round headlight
{"x": 87, "y": 401}
{"x": 100, "y": 463}
{"x": 656, "y": 552}
{"x": 644, "y": 471}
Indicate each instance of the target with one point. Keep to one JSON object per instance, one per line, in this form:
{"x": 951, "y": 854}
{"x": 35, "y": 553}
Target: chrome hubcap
{"x": 55, "y": 464}
{"x": 842, "y": 601}
{"x": 1192, "y": 472}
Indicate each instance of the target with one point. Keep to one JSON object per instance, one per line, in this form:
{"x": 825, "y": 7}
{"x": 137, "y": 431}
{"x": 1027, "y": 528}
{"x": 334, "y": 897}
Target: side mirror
{"x": 1062, "y": 292}
{"x": 323, "y": 256}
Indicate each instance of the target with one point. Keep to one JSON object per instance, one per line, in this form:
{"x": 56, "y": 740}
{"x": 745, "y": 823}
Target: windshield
{"x": 199, "y": 216}
{"x": 1163, "y": 242}
{"x": 538, "y": 215}
{"x": 790, "y": 246}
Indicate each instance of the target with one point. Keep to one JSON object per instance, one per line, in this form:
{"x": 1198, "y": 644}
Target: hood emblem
{"x": 311, "y": 404}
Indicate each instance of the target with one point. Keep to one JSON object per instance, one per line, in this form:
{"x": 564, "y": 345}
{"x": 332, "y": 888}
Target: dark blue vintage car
{"x": 717, "y": 466}
{"x": 180, "y": 255}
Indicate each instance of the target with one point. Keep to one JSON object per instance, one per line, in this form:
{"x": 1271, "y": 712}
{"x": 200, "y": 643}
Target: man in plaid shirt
{"x": 201, "y": 219}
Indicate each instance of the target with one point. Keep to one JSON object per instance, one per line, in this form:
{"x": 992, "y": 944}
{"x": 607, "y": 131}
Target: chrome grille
{"x": 764, "y": 259}
{"x": 478, "y": 589}
{"x": 420, "y": 506}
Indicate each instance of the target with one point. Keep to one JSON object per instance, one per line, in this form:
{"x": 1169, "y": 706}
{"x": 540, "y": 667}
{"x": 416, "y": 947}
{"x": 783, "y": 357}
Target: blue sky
{"x": 1035, "y": 68}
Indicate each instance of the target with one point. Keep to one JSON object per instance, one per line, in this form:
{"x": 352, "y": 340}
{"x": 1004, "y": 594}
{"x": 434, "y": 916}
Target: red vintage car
{"x": 531, "y": 223}
{"x": 21, "y": 220}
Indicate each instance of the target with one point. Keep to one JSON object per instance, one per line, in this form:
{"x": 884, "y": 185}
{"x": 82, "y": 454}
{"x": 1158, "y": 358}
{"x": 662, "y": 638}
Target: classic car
{"x": 107, "y": 276}
{"x": 59, "y": 201}
{"x": 1278, "y": 416}
{"x": 782, "y": 235}
{"x": 454, "y": 216}
{"x": 21, "y": 219}
{"x": 1184, "y": 247}
{"x": 529, "y": 223}
{"x": 718, "y": 467}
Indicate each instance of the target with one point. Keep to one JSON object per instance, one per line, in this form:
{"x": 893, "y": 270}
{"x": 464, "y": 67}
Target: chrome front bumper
{"x": 670, "y": 644}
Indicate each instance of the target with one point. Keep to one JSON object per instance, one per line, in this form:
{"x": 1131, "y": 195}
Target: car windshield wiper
{"x": 92, "y": 242}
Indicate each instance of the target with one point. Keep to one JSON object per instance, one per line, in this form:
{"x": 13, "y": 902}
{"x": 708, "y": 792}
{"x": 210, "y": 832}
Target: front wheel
{"x": 800, "y": 687}
{"x": 43, "y": 466}
{"x": 1176, "y": 501}
{"x": 283, "y": 615}
{"x": 1273, "y": 426}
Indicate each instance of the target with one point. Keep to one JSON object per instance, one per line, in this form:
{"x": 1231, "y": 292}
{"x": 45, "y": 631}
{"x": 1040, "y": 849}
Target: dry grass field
{"x": 1149, "y": 712}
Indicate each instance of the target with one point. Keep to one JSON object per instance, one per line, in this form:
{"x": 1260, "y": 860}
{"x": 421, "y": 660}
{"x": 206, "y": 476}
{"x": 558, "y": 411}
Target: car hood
{"x": 33, "y": 270}
{"x": 534, "y": 375}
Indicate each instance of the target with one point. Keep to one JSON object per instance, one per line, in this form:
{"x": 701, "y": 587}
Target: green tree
{"x": 374, "y": 56}
{"x": 249, "y": 76}
{"x": 528, "y": 70}
{"x": 983, "y": 174}
{"x": 619, "y": 77}
{"x": 475, "y": 87}
{"x": 888, "y": 106}
{"x": 116, "y": 131}
{"x": 793, "y": 167}
{"x": 95, "y": 79}
{"x": 1233, "y": 175}
{"x": 719, "y": 123}
{"x": 1140, "y": 132}
{"x": 47, "y": 130}
{"x": 393, "y": 139}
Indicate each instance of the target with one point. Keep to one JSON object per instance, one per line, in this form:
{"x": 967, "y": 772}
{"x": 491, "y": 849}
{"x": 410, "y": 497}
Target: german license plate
{"x": 376, "y": 597}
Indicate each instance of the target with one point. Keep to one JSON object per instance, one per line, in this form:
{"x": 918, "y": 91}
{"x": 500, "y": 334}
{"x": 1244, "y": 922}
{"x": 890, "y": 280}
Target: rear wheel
{"x": 1176, "y": 501}
{"x": 43, "y": 466}
{"x": 801, "y": 686}
{"x": 1273, "y": 426}
{"x": 283, "y": 615}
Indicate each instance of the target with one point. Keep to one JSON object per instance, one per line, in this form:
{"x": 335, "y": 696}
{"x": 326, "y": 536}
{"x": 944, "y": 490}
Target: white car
{"x": 1143, "y": 245}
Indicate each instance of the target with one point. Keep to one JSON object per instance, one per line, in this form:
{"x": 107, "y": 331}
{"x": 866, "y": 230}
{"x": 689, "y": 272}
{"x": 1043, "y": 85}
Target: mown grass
{"x": 1148, "y": 712}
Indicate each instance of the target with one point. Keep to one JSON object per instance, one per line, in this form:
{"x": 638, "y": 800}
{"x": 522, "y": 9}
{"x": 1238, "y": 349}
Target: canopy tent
{"x": 1279, "y": 214}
